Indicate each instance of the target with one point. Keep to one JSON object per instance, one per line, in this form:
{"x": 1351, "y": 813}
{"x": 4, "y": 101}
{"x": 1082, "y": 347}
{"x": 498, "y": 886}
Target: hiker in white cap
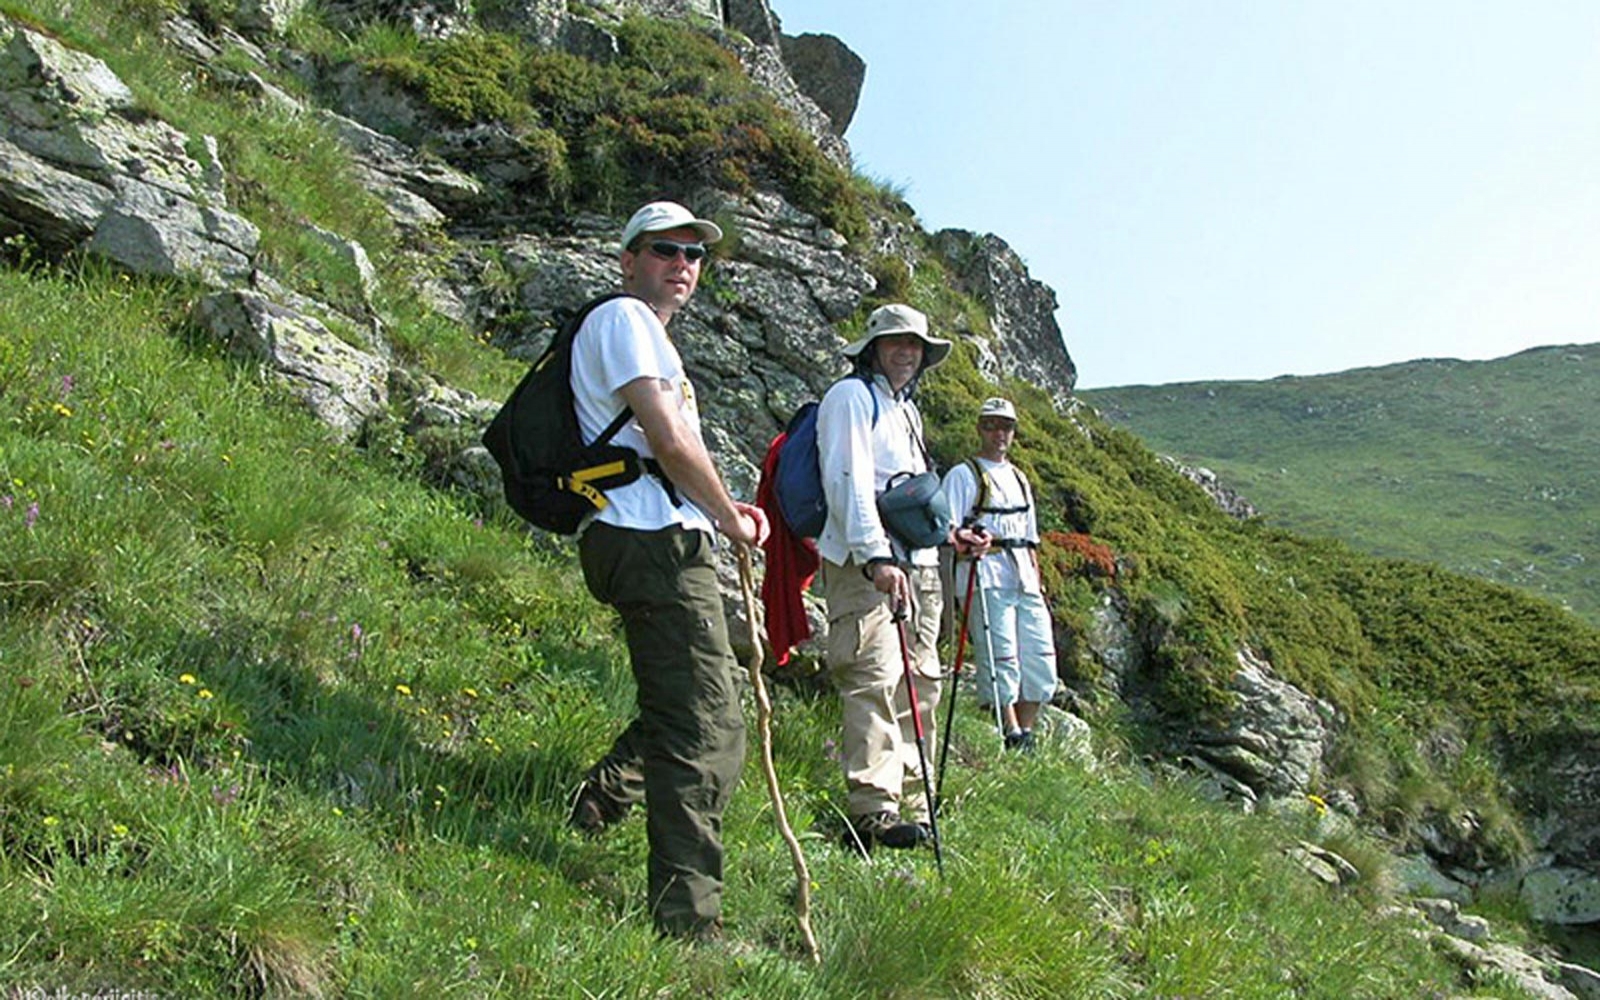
{"x": 650, "y": 553}
{"x": 1009, "y": 624}
{"x": 869, "y": 430}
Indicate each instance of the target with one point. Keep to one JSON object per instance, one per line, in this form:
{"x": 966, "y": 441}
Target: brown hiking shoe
{"x": 593, "y": 810}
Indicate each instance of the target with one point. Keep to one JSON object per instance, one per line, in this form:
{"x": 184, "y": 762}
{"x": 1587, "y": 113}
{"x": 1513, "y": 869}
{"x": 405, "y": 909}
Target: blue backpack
{"x": 797, "y": 477}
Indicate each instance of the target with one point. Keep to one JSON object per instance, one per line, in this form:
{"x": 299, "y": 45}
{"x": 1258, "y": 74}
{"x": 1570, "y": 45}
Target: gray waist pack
{"x": 915, "y": 510}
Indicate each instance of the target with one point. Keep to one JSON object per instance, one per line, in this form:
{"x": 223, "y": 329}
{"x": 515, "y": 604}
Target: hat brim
{"x": 934, "y": 349}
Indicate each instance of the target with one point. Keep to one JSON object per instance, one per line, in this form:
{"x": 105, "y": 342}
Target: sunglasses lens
{"x": 667, "y": 249}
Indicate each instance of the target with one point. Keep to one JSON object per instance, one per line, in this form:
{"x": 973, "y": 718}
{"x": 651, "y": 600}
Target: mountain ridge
{"x": 1482, "y": 466}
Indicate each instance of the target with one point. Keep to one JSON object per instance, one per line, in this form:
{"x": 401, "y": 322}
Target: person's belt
{"x": 1012, "y": 543}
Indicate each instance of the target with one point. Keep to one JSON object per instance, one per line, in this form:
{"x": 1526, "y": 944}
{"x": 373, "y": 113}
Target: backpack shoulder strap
{"x": 866, "y": 380}
{"x": 983, "y": 485}
{"x": 568, "y": 335}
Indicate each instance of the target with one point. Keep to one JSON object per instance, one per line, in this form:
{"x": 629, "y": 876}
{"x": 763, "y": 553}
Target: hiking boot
{"x": 884, "y": 828}
{"x": 593, "y": 810}
{"x": 1020, "y": 740}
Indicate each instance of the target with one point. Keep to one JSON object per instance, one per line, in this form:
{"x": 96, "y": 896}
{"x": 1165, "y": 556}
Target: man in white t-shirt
{"x": 992, "y": 494}
{"x": 650, "y": 553}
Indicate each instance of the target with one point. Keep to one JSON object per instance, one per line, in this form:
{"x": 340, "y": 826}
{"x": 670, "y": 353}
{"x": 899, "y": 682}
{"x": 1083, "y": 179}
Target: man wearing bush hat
{"x": 868, "y": 430}
{"x": 1011, "y": 635}
{"x": 650, "y": 553}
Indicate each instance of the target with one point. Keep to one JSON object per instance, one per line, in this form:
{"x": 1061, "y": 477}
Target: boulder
{"x": 1276, "y": 736}
{"x": 827, "y": 71}
{"x": 1562, "y": 895}
{"x": 342, "y": 386}
{"x": 57, "y": 209}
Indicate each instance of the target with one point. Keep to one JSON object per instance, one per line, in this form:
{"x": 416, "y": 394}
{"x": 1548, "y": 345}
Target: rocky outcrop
{"x": 827, "y": 71}
{"x": 1231, "y": 502}
{"x": 1570, "y": 827}
{"x": 1025, "y": 342}
{"x": 343, "y": 386}
{"x": 1275, "y": 738}
{"x": 1469, "y": 941}
{"x": 82, "y": 169}
{"x": 1562, "y": 895}
{"x": 417, "y": 190}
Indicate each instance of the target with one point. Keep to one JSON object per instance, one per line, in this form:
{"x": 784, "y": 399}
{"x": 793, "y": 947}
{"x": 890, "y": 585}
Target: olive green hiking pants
{"x": 682, "y": 753}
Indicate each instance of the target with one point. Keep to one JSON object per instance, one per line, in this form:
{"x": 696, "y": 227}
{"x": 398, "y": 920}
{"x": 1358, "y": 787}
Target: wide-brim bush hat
{"x": 659, "y": 216}
{"x": 994, "y": 406}
{"x": 898, "y": 318}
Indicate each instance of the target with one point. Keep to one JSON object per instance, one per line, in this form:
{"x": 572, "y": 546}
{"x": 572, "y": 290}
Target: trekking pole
{"x": 955, "y": 684}
{"x": 994, "y": 672}
{"x": 802, "y": 874}
{"x": 922, "y": 743}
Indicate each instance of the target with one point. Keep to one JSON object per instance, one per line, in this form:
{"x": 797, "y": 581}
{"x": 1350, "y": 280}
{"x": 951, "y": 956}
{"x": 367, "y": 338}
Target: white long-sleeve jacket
{"x": 858, "y": 458}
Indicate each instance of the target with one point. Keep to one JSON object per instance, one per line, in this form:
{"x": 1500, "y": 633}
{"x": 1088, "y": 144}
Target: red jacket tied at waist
{"x": 792, "y": 562}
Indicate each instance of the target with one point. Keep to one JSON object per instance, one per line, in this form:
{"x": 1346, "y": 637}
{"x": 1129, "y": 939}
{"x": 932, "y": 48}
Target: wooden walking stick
{"x": 802, "y": 874}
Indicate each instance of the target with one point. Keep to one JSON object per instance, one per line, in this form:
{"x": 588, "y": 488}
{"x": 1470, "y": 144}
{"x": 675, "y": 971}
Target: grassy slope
{"x": 1488, "y": 467}
{"x": 276, "y": 719}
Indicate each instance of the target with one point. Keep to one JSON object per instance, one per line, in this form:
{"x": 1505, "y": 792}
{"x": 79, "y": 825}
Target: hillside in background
{"x": 1485, "y": 467}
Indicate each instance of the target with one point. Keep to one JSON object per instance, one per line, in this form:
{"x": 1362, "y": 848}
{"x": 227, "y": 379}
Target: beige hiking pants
{"x": 882, "y": 769}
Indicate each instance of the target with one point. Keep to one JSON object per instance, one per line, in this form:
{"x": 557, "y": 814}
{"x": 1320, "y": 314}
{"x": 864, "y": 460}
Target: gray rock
{"x": 1446, "y": 915}
{"x": 1570, "y": 826}
{"x": 1231, "y": 502}
{"x": 1418, "y": 876}
{"x": 764, "y": 64}
{"x": 387, "y": 162}
{"x": 1562, "y": 895}
{"x": 343, "y": 386}
{"x": 1583, "y": 982}
{"x": 1026, "y": 342}
{"x": 1276, "y": 736}
{"x": 266, "y": 17}
{"x": 151, "y": 230}
{"x": 44, "y": 84}
{"x": 827, "y": 71}
{"x": 59, "y": 210}
{"x": 79, "y": 168}
{"x": 1525, "y": 970}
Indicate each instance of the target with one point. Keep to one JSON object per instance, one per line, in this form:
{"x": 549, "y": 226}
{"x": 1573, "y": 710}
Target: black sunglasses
{"x": 668, "y": 249}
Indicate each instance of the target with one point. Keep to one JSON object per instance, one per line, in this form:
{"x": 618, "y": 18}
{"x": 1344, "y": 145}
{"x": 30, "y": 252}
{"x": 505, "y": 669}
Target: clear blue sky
{"x": 1240, "y": 189}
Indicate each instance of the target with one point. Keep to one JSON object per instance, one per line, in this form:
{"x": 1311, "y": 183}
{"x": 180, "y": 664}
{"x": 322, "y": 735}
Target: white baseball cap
{"x": 994, "y": 406}
{"x": 659, "y": 216}
{"x": 897, "y": 318}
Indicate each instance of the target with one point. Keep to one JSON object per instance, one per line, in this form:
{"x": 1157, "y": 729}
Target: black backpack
{"x": 552, "y": 478}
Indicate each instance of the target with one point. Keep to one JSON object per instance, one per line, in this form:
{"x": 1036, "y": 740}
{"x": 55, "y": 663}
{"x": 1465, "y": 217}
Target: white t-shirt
{"x": 623, "y": 340}
{"x": 1003, "y": 569}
